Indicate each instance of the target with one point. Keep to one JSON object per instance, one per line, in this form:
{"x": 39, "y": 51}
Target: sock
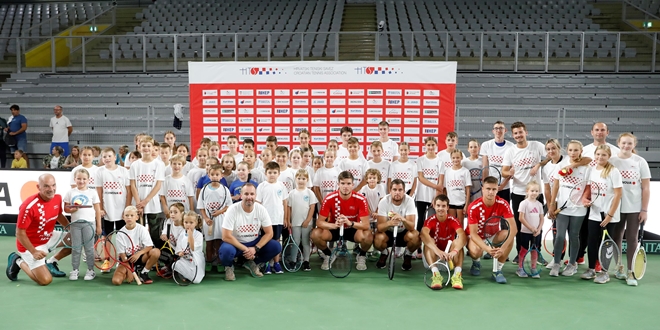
{"x": 407, "y": 252}
{"x": 535, "y": 258}
{"x": 145, "y": 270}
{"x": 362, "y": 253}
{"x": 327, "y": 252}
{"x": 521, "y": 257}
{"x": 476, "y": 260}
{"x": 52, "y": 260}
{"x": 458, "y": 270}
{"x": 499, "y": 265}
{"x": 385, "y": 252}
{"x": 19, "y": 261}
{"x": 435, "y": 270}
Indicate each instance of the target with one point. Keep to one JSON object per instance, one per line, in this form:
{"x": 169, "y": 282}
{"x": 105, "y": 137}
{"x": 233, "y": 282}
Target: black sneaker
{"x": 12, "y": 267}
{"x": 407, "y": 262}
{"x": 488, "y": 256}
{"x": 144, "y": 277}
{"x": 54, "y": 269}
{"x": 305, "y": 266}
{"x": 382, "y": 261}
{"x": 515, "y": 260}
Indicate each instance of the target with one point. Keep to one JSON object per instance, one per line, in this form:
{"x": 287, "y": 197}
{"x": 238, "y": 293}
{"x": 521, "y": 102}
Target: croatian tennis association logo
{"x": 261, "y": 71}
{"x": 375, "y": 70}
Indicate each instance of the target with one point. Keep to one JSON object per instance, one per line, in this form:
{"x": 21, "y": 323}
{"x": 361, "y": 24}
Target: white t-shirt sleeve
{"x": 145, "y": 239}
{"x": 230, "y": 217}
{"x": 466, "y": 177}
{"x": 263, "y": 217}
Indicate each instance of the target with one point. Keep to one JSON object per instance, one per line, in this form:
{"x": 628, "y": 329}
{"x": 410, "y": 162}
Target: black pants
{"x": 515, "y": 204}
{"x": 155, "y": 221}
{"x": 3, "y": 154}
{"x": 110, "y": 226}
{"x": 595, "y": 236}
{"x": 505, "y": 194}
{"x": 584, "y": 235}
{"x": 422, "y": 213}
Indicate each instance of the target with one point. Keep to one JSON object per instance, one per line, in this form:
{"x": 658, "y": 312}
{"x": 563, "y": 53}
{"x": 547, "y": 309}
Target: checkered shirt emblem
{"x": 111, "y": 185}
{"x": 328, "y": 184}
{"x": 91, "y": 181}
{"x": 475, "y": 173}
{"x": 572, "y": 180}
{"x": 356, "y": 173}
{"x": 430, "y": 172}
{"x": 449, "y": 164}
{"x": 337, "y": 207}
{"x": 495, "y": 159}
{"x": 480, "y": 223}
{"x": 288, "y": 185}
{"x": 387, "y": 155}
{"x": 527, "y": 161}
{"x": 633, "y": 175}
{"x": 598, "y": 185}
{"x": 130, "y": 250}
{"x": 251, "y": 228}
{"x": 455, "y": 183}
{"x": 146, "y": 178}
{"x": 42, "y": 217}
{"x": 402, "y": 176}
{"x": 593, "y": 163}
{"x": 213, "y": 206}
{"x": 175, "y": 193}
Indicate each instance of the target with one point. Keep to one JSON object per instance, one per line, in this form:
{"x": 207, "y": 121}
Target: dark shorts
{"x": 277, "y": 231}
{"x": 456, "y": 207}
{"x": 349, "y": 234}
{"x": 400, "y": 241}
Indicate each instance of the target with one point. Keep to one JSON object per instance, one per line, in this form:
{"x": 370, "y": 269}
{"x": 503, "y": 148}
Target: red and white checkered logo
{"x": 328, "y": 184}
{"x": 111, "y": 185}
{"x": 146, "y": 178}
{"x": 251, "y": 228}
{"x": 176, "y": 193}
{"x": 455, "y": 183}
{"x": 213, "y": 206}
{"x": 430, "y": 173}
{"x": 525, "y": 162}
{"x": 495, "y": 159}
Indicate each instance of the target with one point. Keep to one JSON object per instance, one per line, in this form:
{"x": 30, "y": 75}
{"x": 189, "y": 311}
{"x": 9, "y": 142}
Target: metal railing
{"x": 523, "y": 51}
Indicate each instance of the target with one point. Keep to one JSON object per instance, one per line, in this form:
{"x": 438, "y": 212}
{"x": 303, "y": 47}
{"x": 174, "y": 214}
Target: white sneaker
{"x": 570, "y": 270}
{"x": 73, "y": 276}
{"x": 361, "y": 263}
{"x": 327, "y": 261}
{"x": 589, "y": 274}
{"x": 550, "y": 264}
{"x": 555, "y": 270}
{"x": 602, "y": 278}
{"x": 630, "y": 280}
{"x": 90, "y": 275}
{"x": 620, "y": 273}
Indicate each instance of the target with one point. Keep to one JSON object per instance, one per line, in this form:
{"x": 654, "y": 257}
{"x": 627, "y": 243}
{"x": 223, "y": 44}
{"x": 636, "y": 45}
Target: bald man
{"x": 34, "y": 234}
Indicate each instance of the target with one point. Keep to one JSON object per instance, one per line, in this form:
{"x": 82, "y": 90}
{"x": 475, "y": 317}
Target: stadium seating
{"x": 650, "y": 6}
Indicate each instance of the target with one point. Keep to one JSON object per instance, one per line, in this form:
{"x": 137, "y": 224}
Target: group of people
{"x": 243, "y": 206}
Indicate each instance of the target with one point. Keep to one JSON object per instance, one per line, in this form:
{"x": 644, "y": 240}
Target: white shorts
{"x": 33, "y": 263}
{"x": 217, "y": 229}
{"x": 187, "y": 269}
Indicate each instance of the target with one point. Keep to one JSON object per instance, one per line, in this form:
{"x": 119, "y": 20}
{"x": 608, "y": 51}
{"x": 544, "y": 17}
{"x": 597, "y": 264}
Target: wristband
{"x": 611, "y": 216}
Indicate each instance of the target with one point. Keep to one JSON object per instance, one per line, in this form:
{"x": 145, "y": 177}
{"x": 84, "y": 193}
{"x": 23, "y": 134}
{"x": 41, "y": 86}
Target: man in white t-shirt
{"x": 492, "y": 152}
{"x": 247, "y": 229}
{"x": 62, "y": 129}
{"x": 599, "y": 132}
{"x": 522, "y": 163}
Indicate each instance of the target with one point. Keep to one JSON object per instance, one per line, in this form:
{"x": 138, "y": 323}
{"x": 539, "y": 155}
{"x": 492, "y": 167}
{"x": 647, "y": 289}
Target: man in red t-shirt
{"x": 437, "y": 231}
{"x": 34, "y": 233}
{"x": 478, "y": 212}
{"x": 347, "y": 208}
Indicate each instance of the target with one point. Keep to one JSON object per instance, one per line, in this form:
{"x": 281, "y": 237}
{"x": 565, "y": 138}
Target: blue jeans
{"x": 21, "y": 143}
{"x": 228, "y": 252}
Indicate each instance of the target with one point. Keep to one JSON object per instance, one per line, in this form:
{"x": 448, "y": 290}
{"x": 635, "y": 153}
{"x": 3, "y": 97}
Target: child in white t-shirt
{"x": 86, "y": 155}
{"x": 377, "y": 162}
{"x": 373, "y": 191}
{"x": 114, "y": 190}
{"x": 177, "y": 188}
{"x": 189, "y": 249}
{"x": 457, "y": 181}
{"x": 300, "y": 203}
{"x": 531, "y": 218}
{"x": 474, "y": 163}
{"x": 405, "y": 170}
{"x": 273, "y": 194}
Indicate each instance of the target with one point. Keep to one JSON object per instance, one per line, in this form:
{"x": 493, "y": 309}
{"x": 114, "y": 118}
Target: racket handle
{"x": 137, "y": 278}
{"x": 396, "y": 229}
{"x": 341, "y": 230}
{"x": 495, "y": 261}
{"x": 557, "y": 211}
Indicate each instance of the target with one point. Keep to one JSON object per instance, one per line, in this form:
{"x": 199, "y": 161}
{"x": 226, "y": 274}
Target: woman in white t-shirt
{"x": 474, "y": 163}
{"x": 605, "y": 181}
{"x": 636, "y": 179}
{"x": 554, "y": 161}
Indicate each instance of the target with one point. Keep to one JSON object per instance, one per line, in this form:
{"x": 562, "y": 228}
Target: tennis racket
{"x": 574, "y": 199}
{"x": 214, "y": 200}
{"x": 548, "y": 241}
{"x": 496, "y": 232}
{"x": 184, "y": 269}
{"x": 529, "y": 261}
{"x": 639, "y": 261}
{"x": 124, "y": 248}
{"x": 341, "y": 259}
{"x": 392, "y": 257}
{"x": 477, "y": 175}
{"x": 608, "y": 252}
{"x": 292, "y": 254}
{"x": 443, "y": 267}
{"x": 166, "y": 258}
{"x": 103, "y": 249}
{"x": 88, "y": 234}
{"x": 595, "y": 193}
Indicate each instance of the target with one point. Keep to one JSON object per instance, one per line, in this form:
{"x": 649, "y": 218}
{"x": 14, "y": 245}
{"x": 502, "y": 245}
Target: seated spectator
{"x": 19, "y": 161}
{"x": 56, "y": 159}
{"x": 73, "y": 159}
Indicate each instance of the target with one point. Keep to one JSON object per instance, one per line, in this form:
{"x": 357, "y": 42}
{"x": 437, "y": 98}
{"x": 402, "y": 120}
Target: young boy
{"x": 451, "y": 140}
{"x": 204, "y": 143}
{"x": 146, "y": 255}
{"x": 248, "y": 144}
{"x": 196, "y": 173}
{"x": 19, "y": 161}
{"x": 325, "y": 179}
{"x": 389, "y": 147}
{"x": 232, "y": 144}
{"x": 165, "y": 155}
{"x": 286, "y": 175}
{"x": 380, "y": 164}
{"x": 346, "y": 133}
{"x": 212, "y": 228}
{"x": 96, "y": 151}
{"x": 354, "y": 164}
{"x": 176, "y": 188}
{"x": 114, "y": 190}
{"x": 272, "y": 194}
{"x": 205, "y": 178}
{"x": 271, "y": 143}
{"x": 250, "y": 158}
{"x": 147, "y": 177}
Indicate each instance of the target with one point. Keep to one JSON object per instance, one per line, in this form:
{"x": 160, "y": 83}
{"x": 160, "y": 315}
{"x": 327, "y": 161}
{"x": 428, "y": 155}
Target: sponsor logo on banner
{"x": 211, "y": 137}
{"x": 210, "y": 120}
{"x": 375, "y": 101}
{"x": 372, "y": 130}
{"x": 245, "y": 111}
{"x": 413, "y": 92}
{"x": 375, "y": 92}
{"x": 282, "y": 92}
{"x": 301, "y": 92}
{"x": 393, "y": 92}
{"x": 210, "y": 129}
{"x": 227, "y": 120}
{"x": 209, "y": 111}
{"x": 319, "y": 111}
{"x": 319, "y": 92}
{"x": 210, "y": 92}
{"x": 430, "y": 131}
{"x": 319, "y": 120}
{"x": 409, "y": 111}
{"x": 264, "y": 102}
{"x": 432, "y": 102}
{"x": 282, "y": 101}
{"x": 395, "y": 139}
{"x": 264, "y": 111}
{"x": 432, "y": 112}
{"x": 337, "y": 101}
{"x": 245, "y": 92}
{"x": 337, "y": 120}
{"x": 411, "y": 130}
{"x": 248, "y": 129}
{"x": 411, "y": 121}
{"x": 354, "y": 120}
{"x": 317, "y": 129}
{"x": 281, "y": 120}
{"x": 372, "y": 138}
{"x": 265, "y": 130}
{"x": 281, "y": 130}
{"x": 246, "y": 102}
{"x": 261, "y": 138}
{"x": 264, "y": 92}
{"x": 319, "y": 101}
{"x": 375, "y": 111}
{"x": 431, "y": 121}
{"x": 338, "y": 111}
{"x": 228, "y": 92}
{"x": 300, "y": 111}
{"x": 373, "y": 120}
{"x": 229, "y": 130}
{"x": 318, "y": 139}
{"x": 338, "y": 92}
{"x": 356, "y": 102}
{"x": 300, "y": 101}
{"x": 394, "y": 121}
{"x": 411, "y": 139}
{"x": 212, "y": 102}
{"x": 358, "y": 130}
{"x": 395, "y": 130}
{"x": 228, "y": 111}
{"x": 414, "y": 149}
{"x": 393, "y": 101}
{"x": 335, "y": 129}
{"x": 377, "y": 70}
{"x": 431, "y": 92}
{"x": 412, "y": 102}
{"x": 356, "y": 111}
{"x": 356, "y": 92}
{"x": 264, "y": 120}
{"x": 228, "y": 102}
{"x": 261, "y": 71}
{"x": 283, "y": 138}
{"x": 300, "y": 120}
{"x": 393, "y": 111}
{"x": 282, "y": 111}
{"x": 246, "y": 120}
